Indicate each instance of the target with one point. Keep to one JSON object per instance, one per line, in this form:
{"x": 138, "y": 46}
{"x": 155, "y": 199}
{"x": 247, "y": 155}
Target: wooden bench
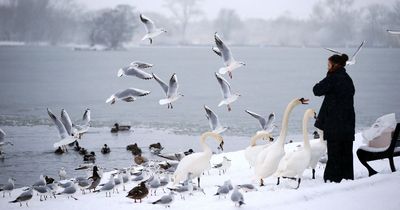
{"x": 393, "y": 150}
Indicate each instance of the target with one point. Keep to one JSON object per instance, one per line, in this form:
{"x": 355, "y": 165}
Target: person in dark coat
{"x": 337, "y": 119}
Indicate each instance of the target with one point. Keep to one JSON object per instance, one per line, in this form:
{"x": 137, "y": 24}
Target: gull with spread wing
{"x": 352, "y": 60}
{"x": 151, "y": 29}
{"x": 213, "y": 120}
{"x": 171, "y": 90}
{"x": 127, "y": 95}
{"x": 228, "y": 96}
{"x": 226, "y": 54}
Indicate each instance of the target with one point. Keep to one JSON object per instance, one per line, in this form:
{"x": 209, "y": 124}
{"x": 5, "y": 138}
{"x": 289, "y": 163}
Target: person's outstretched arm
{"x": 324, "y": 86}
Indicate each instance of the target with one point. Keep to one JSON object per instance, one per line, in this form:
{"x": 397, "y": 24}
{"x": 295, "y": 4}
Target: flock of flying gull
{"x": 269, "y": 159}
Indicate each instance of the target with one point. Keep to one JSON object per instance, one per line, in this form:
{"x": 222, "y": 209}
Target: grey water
{"x": 33, "y": 78}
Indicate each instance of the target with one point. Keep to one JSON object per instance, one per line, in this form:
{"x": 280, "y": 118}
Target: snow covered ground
{"x": 377, "y": 192}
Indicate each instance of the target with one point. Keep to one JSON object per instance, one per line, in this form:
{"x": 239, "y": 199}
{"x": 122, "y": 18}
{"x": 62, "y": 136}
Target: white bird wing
{"x": 212, "y": 118}
{"x": 394, "y": 32}
{"x": 353, "y": 58}
{"x": 60, "y": 126}
{"x": 225, "y": 51}
{"x": 130, "y": 94}
{"x": 225, "y": 86}
{"x": 173, "y": 86}
{"x": 261, "y": 120}
{"x": 149, "y": 24}
{"x": 133, "y": 71}
{"x": 217, "y": 51}
{"x": 66, "y": 121}
{"x": 269, "y": 126}
{"x": 163, "y": 85}
{"x": 2, "y": 134}
{"x": 333, "y": 50}
{"x": 141, "y": 65}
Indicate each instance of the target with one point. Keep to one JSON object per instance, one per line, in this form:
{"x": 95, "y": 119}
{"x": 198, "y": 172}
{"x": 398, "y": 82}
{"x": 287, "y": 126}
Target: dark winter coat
{"x": 336, "y": 116}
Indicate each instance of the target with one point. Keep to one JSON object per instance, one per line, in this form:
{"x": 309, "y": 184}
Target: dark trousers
{"x": 340, "y": 161}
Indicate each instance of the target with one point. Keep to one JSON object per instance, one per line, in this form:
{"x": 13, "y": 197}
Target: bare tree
{"x": 113, "y": 27}
{"x": 334, "y": 21}
{"x": 227, "y": 22}
{"x": 184, "y": 11}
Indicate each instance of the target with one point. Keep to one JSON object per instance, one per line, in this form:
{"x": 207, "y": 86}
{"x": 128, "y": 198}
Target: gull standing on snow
{"x": 226, "y": 92}
{"x": 237, "y": 197}
{"x": 226, "y": 54}
{"x": 352, "y": 60}
{"x": 127, "y": 95}
{"x": 135, "y": 72}
{"x": 65, "y": 138}
{"x": 223, "y": 166}
{"x": 266, "y": 126}
{"x": 9, "y": 187}
{"x": 151, "y": 29}
{"x": 165, "y": 200}
{"x": 394, "y": 32}
{"x": 214, "y": 121}
{"x": 171, "y": 90}
{"x": 25, "y": 196}
{"x": 223, "y": 190}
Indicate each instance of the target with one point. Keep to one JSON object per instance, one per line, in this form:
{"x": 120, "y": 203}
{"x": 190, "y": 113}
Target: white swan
{"x": 293, "y": 164}
{"x": 268, "y": 159}
{"x": 253, "y": 149}
{"x": 318, "y": 149}
{"x": 197, "y": 162}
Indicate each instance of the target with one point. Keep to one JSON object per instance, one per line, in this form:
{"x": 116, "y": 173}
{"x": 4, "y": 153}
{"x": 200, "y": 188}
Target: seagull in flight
{"x": 127, "y": 95}
{"x": 83, "y": 125}
{"x": 171, "y": 90}
{"x": 223, "y": 51}
{"x": 352, "y": 60}
{"x": 228, "y": 96}
{"x": 267, "y": 126}
{"x": 62, "y": 131}
{"x": 213, "y": 120}
{"x": 134, "y": 72}
{"x": 151, "y": 29}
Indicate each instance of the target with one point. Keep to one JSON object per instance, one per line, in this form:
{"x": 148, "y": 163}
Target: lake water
{"x": 35, "y": 78}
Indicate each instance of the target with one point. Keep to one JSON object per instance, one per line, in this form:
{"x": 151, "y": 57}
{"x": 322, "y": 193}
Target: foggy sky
{"x": 264, "y": 9}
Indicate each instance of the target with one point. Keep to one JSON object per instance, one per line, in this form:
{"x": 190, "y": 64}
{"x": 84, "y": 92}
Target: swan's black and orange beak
{"x": 221, "y": 146}
{"x": 304, "y": 100}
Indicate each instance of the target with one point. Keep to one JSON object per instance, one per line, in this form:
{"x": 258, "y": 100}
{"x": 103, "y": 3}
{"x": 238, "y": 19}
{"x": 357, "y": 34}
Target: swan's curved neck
{"x": 256, "y": 137}
{"x": 203, "y": 139}
{"x": 306, "y": 141}
{"x": 285, "y": 120}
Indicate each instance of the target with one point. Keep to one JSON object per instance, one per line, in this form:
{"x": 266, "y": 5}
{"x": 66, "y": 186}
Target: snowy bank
{"x": 376, "y": 192}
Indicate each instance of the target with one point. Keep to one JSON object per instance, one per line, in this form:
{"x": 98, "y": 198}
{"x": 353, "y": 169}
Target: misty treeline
{"x": 334, "y": 23}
